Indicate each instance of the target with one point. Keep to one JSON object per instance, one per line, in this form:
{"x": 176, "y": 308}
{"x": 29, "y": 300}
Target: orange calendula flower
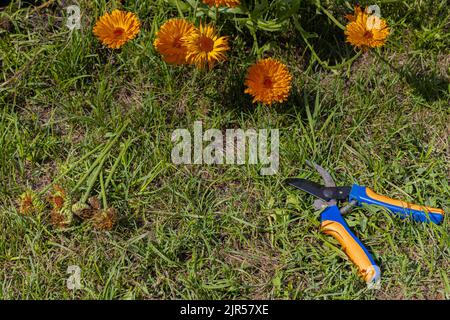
{"x": 205, "y": 47}
{"x": 366, "y": 30}
{"x": 116, "y": 28}
{"x": 352, "y": 17}
{"x": 168, "y": 40}
{"x": 268, "y": 81}
{"x": 223, "y": 3}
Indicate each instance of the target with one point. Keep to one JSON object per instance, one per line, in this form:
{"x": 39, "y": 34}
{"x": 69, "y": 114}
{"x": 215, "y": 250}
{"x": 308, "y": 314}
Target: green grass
{"x": 224, "y": 231}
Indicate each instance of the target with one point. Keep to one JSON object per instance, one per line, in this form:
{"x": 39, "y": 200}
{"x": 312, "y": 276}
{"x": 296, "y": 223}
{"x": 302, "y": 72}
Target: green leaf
{"x": 181, "y": 5}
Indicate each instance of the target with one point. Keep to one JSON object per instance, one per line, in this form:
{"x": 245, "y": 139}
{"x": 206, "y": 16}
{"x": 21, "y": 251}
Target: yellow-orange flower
{"x": 168, "y": 40}
{"x": 205, "y": 47}
{"x": 116, "y": 28}
{"x": 366, "y": 31}
{"x": 268, "y": 81}
{"x": 223, "y": 3}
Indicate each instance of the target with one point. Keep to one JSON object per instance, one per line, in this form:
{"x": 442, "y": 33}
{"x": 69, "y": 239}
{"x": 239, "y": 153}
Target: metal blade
{"x": 319, "y": 191}
{"x": 326, "y": 176}
{"x": 312, "y": 188}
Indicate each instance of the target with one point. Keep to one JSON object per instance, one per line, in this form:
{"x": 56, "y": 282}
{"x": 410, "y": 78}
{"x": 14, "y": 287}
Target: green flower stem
{"x": 103, "y": 192}
{"x": 195, "y": 10}
{"x": 180, "y": 11}
{"x": 332, "y": 18}
{"x": 98, "y": 163}
{"x": 116, "y": 163}
{"x": 92, "y": 167}
{"x": 217, "y": 14}
{"x": 75, "y": 164}
{"x": 316, "y": 56}
{"x": 93, "y": 178}
{"x": 256, "y": 45}
{"x": 255, "y": 39}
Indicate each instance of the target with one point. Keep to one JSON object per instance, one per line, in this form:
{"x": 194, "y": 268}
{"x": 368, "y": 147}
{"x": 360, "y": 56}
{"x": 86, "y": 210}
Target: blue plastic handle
{"x": 402, "y": 209}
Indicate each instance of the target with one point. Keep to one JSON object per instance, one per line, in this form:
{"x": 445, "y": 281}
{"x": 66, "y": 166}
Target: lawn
{"x": 380, "y": 118}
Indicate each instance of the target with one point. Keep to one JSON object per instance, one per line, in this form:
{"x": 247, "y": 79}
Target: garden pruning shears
{"x": 333, "y": 223}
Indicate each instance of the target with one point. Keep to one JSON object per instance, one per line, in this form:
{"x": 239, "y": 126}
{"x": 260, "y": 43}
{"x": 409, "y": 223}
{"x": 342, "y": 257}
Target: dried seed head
{"x": 61, "y": 218}
{"x": 94, "y": 202}
{"x": 29, "y": 203}
{"x": 104, "y": 219}
{"x": 82, "y": 210}
{"x": 61, "y": 214}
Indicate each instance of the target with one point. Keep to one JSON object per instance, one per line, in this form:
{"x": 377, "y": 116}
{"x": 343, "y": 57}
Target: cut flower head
{"x": 268, "y": 81}
{"x": 205, "y": 47}
{"x": 117, "y": 28}
{"x": 366, "y": 30}
{"x": 168, "y": 40}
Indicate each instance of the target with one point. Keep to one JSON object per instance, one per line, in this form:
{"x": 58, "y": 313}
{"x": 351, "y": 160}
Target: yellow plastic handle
{"x": 353, "y": 248}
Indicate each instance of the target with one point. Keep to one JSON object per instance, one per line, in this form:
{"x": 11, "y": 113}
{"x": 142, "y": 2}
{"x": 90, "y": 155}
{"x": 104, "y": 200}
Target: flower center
{"x": 118, "y": 32}
{"x": 177, "y": 43}
{"x": 268, "y": 83}
{"x": 368, "y": 34}
{"x": 206, "y": 44}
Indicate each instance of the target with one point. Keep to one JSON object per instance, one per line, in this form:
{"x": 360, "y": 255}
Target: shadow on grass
{"x": 232, "y": 95}
{"x": 430, "y": 87}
